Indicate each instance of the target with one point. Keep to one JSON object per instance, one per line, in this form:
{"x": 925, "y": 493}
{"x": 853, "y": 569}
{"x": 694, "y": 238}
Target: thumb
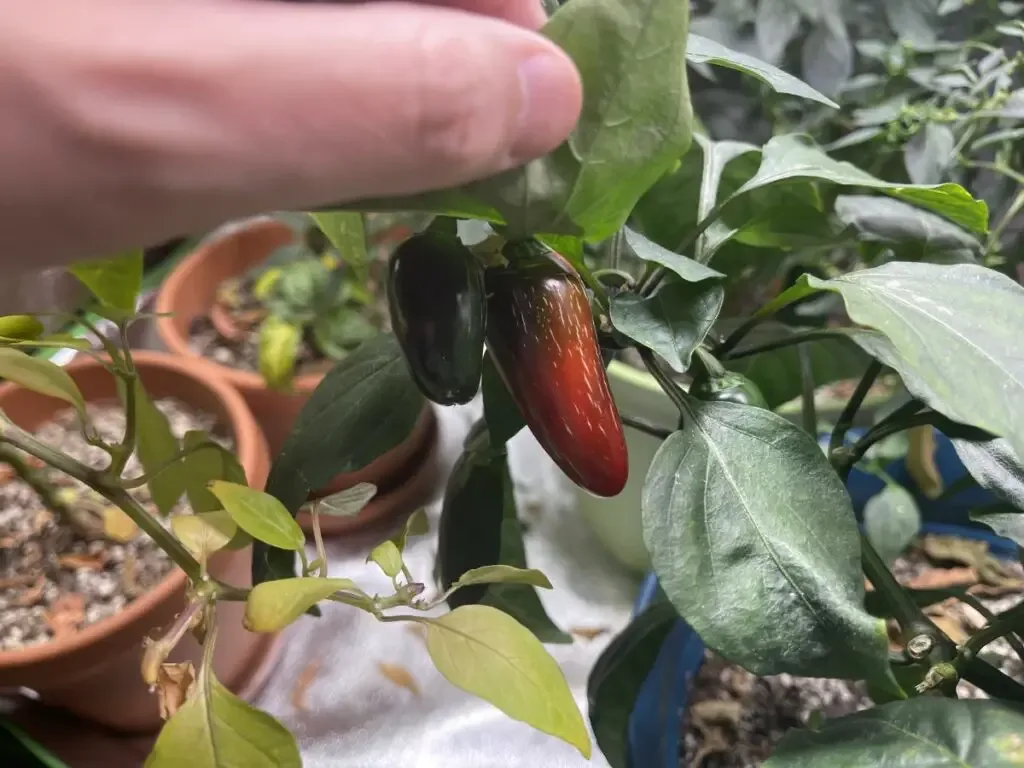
{"x": 187, "y": 113}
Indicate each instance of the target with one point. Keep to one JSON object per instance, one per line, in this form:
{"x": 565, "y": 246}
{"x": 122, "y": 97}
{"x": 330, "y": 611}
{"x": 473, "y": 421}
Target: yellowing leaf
{"x": 118, "y": 526}
{"x": 265, "y": 284}
{"x": 491, "y": 655}
{"x": 416, "y": 525}
{"x": 347, "y": 503}
{"x": 279, "y": 347}
{"x": 216, "y": 729}
{"x": 273, "y": 605}
{"x": 204, "y": 534}
{"x": 40, "y": 376}
{"x": 503, "y": 574}
{"x": 259, "y": 514}
{"x": 388, "y": 557}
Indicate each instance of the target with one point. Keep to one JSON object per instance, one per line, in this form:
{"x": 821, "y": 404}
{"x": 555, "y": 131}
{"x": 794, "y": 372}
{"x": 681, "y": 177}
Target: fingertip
{"x": 552, "y": 96}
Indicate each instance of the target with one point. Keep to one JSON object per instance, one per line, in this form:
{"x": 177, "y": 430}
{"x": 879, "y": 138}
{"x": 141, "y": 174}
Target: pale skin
{"x": 127, "y": 122}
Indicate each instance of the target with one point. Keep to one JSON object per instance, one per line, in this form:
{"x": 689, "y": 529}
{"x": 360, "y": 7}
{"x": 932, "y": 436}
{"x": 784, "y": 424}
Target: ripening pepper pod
{"x": 439, "y": 314}
{"x": 541, "y": 336}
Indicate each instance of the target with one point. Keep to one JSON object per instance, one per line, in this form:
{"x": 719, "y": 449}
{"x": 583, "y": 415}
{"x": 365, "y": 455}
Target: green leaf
{"x": 996, "y": 467}
{"x": 777, "y": 372}
{"x": 415, "y": 525}
{"x": 157, "y": 447}
{"x": 489, "y": 654}
{"x": 504, "y": 419}
{"x": 273, "y": 605}
{"x": 204, "y": 534}
{"x": 347, "y": 233}
{"x": 673, "y": 321}
{"x": 686, "y": 268}
{"x": 877, "y": 219}
{"x": 347, "y": 503}
{"x": 504, "y": 574}
{"x": 388, "y": 557}
{"x": 929, "y": 153}
{"x": 827, "y": 53}
{"x": 717, "y": 155}
{"x": 701, "y": 50}
{"x": 891, "y": 520}
{"x": 115, "y": 282}
{"x": 214, "y": 729}
{"x": 741, "y": 510}
{"x": 279, "y": 349}
{"x": 260, "y": 515}
{"x": 207, "y": 461}
{"x": 364, "y": 407}
{"x": 635, "y": 123}
{"x": 792, "y": 156}
{"x": 925, "y": 731}
{"x": 951, "y": 332}
{"x": 1003, "y": 519}
{"x": 39, "y": 375}
{"x": 619, "y": 674}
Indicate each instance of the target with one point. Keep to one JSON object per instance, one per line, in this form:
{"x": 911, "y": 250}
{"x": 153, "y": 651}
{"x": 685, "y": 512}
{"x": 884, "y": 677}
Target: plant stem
{"x": 1010, "y": 637}
{"x": 594, "y": 285}
{"x": 788, "y": 341}
{"x": 126, "y": 447}
{"x": 852, "y": 406}
{"x": 34, "y": 480}
{"x": 645, "y": 426}
{"x": 105, "y": 487}
{"x": 108, "y": 346}
{"x": 1003, "y": 625}
{"x": 722, "y": 350}
{"x": 670, "y": 388}
{"x": 314, "y": 516}
{"x": 809, "y": 408}
{"x": 997, "y": 232}
{"x": 138, "y": 482}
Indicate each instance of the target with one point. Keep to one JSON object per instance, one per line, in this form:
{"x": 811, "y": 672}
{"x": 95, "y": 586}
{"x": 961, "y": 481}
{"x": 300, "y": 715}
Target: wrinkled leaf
{"x": 701, "y": 50}
{"x": 347, "y": 503}
{"x": 364, "y": 407}
{"x": 741, "y": 509}
{"x": 273, "y": 605}
{"x": 673, "y": 321}
{"x": 619, "y": 674}
{"x": 39, "y": 375}
{"x": 505, "y": 574}
{"x": 203, "y": 534}
{"x": 891, "y": 520}
{"x": 489, "y": 654}
{"x": 260, "y": 515}
{"x": 996, "y": 467}
{"x": 279, "y": 349}
{"x": 115, "y": 282}
{"x": 924, "y": 731}
{"x": 215, "y": 728}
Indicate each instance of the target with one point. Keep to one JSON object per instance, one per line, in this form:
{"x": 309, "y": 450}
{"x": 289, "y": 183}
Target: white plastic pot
{"x": 616, "y": 521}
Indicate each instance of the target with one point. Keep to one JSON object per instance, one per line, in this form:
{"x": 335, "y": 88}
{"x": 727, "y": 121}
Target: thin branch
{"x": 809, "y": 408}
{"x": 852, "y": 406}
{"x": 670, "y": 387}
{"x": 770, "y": 346}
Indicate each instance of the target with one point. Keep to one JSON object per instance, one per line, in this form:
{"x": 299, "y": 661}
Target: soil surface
{"x": 58, "y": 575}
{"x": 736, "y": 718}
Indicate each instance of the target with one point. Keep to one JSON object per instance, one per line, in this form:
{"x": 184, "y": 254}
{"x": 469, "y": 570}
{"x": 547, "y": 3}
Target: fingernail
{"x": 551, "y": 104}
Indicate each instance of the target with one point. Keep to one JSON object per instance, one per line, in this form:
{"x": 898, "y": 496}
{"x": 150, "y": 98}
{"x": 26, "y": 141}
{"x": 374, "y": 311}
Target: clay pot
{"x": 95, "y": 673}
{"x": 404, "y": 476}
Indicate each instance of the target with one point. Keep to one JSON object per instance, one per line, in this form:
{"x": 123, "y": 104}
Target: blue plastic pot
{"x": 655, "y": 725}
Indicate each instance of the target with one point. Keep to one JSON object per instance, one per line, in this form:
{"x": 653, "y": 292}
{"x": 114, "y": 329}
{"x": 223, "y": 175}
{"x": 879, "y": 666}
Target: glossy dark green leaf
{"x": 996, "y": 467}
{"x": 702, "y": 50}
{"x": 673, "y": 321}
{"x": 619, "y": 674}
{"x": 878, "y": 219}
{"x": 788, "y": 157}
{"x": 777, "y": 373}
{"x": 364, "y": 407}
{"x": 925, "y": 731}
{"x": 951, "y": 332}
{"x": 504, "y": 419}
{"x": 891, "y": 520}
{"x": 741, "y": 510}
{"x": 686, "y": 268}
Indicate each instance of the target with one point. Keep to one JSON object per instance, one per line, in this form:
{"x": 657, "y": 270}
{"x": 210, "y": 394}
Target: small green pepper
{"x": 20, "y": 327}
{"x": 730, "y": 387}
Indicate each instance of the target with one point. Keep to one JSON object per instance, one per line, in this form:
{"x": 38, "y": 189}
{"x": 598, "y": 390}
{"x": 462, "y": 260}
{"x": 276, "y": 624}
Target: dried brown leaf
{"x": 75, "y": 560}
{"x": 174, "y": 684}
{"x": 588, "y": 633}
{"x": 66, "y": 614}
{"x": 303, "y": 682}
{"x": 399, "y": 675}
{"x": 940, "y": 578}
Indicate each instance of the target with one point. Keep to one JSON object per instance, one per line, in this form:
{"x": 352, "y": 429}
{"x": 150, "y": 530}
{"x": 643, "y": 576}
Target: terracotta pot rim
{"x": 241, "y": 422}
{"x": 166, "y": 303}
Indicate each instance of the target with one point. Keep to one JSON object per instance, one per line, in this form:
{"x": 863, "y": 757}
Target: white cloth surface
{"x": 352, "y": 716}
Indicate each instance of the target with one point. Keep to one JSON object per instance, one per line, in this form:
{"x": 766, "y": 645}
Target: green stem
{"x": 908, "y": 615}
{"x": 126, "y": 447}
{"x": 722, "y": 350}
{"x": 770, "y": 346}
{"x": 1003, "y": 625}
{"x": 997, "y": 232}
{"x": 645, "y": 426}
{"x": 141, "y": 480}
{"x": 850, "y": 411}
{"x": 34, "y": 480}
{"x": 1011, "y": 637}
{"x": 670, "y": 387}
{"x": 809, "y": 408}
{"x": 653, "y": 277}
{"x": 108, "y": 346}
{"x": 594, "y": 285}
{"x": 103, "y": 485}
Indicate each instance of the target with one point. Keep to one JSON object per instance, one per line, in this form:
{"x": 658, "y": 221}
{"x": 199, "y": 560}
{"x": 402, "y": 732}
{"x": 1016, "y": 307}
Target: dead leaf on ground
{"x": 174, "y": 684}
{"x": 940, "y": 578}
{"x": 303, "y": 682}
{"x": 73, "y": 560}
{"x": 130, "y": 577}
{"x": 952, "y": 627}
{"x": 65, "y": 614}
{"x": 118, "y": 526}
{"x": 33, "y": 594}
{"x": 6, "y": 474}
{"x": 996, "y": 590}
{"x": 19, "y": 580}
{"x": 588, "y": 633}
{"x": 399, "y": 675}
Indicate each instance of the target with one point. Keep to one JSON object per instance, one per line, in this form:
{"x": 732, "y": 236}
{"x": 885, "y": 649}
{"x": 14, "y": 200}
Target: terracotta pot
{"x": 404, "y": 476}
{"x": 95, "y": 673}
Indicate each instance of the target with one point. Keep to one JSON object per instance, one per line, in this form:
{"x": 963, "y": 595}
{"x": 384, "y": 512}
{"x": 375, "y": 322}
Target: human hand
{"x": 125, "y": 122}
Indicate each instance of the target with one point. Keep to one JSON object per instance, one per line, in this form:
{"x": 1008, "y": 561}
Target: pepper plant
{"x": 747, "y": 520}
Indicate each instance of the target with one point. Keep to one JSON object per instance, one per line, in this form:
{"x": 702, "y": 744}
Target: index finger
{"x": 524, "y": 13}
